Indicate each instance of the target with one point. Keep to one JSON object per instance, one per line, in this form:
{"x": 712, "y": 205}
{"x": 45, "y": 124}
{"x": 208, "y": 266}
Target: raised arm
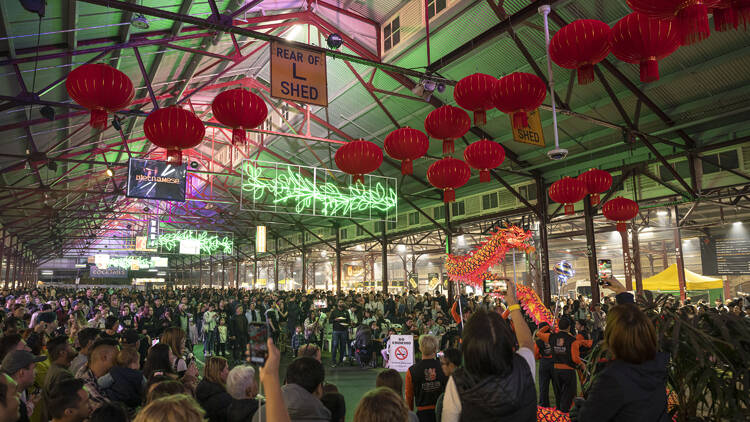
{"x": 523, "y": 334}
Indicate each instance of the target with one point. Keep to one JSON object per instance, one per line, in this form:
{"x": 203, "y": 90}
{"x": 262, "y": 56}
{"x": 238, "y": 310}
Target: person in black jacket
{"x": 211, "y": 392}
{"x": 632, "y": 387}
{"x": 242, "y": 387}
{"x": 125, "y": 382}
{"x": 238, "y": 334}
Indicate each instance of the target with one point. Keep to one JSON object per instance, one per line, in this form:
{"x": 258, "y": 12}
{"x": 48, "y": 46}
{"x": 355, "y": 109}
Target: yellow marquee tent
{"x": 667, "y": 280}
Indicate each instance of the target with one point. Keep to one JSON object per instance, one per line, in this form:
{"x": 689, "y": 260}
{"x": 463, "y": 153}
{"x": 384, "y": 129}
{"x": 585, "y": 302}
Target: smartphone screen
{"x": 154, "y": 342}
{"x": 258, "y": 334}
{"x": 605, "y": 268}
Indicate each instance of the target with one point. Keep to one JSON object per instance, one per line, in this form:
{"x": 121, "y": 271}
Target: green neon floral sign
{"x": 290, "y": 187}
{"x": 128, "y": 261}
{"x": 209, "y": 243}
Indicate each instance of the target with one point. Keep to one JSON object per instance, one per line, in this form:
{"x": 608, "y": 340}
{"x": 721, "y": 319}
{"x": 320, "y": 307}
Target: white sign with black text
{"x": 401, "y": 352}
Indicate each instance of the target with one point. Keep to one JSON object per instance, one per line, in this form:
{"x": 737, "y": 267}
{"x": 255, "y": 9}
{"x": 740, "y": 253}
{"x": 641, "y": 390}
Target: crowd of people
{"x": 183, "y": 355}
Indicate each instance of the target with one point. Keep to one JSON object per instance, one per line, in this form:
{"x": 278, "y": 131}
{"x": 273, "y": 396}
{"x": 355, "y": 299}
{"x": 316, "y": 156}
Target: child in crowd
{"x": 298, "y": 339}
{"x": 221, "y": 345}
{"x": 125, "y": 382}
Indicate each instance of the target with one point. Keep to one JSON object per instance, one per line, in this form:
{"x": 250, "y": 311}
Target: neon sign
{"x": 292, "y": 189}
{"x": 206, "y": 242}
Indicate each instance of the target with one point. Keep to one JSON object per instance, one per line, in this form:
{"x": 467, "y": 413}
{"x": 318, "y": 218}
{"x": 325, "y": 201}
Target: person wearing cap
{"x": 20, "y": 365}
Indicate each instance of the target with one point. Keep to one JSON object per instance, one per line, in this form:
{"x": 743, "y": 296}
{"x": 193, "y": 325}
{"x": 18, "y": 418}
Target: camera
{"x": 557, "y": 154}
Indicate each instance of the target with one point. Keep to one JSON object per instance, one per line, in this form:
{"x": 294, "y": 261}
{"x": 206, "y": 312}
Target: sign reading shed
{"x": 298, "y": 74}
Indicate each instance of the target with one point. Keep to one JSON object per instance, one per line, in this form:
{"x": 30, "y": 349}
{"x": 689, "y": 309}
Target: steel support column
{"x": 627, "y": 260}
{"x": 588, "y": 219}
{"x": 543, "y": 248}
{"x": 304, "y": 265}
{"x": 210, "y": 272}
{"x": 637, "y": 261}
{"x": 384, "y": 259}
{"x": 276, "y": 264}
{"x": 223, "y": 271}
{"x": 449, "y": 248}
{"x": 678, "y": 254}
{"x": 338, "y": 262}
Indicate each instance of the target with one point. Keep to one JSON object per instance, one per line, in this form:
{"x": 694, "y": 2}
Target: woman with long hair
{"x": 212, "y": 392}
{"x": 158, "y": 362}
{"x": 497, "y": 382}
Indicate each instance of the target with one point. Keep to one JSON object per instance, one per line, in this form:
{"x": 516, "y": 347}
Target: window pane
{"x": 396, "y": 37}
{"x": 664, "y": 174}
{"x": 683, "y": 169}
{"x": 430, "y": 11}
{"x": 387, "y": 44}
{"x": 438, "y": 213}
{"x": 440, "y": 5}
{"x": 387, "y": 31}
{"x": 531, "y": 189}
{"x": 729, "y": 159}
{"x": 391, "y": 226}
{"x": 396, "y": 24}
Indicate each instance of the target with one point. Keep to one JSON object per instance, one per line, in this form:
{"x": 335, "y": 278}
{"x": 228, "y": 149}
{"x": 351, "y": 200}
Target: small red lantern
{"x": 100, "y": 88}
{"x": 447, "y": 123}
{"x": 406, "y": 144}
{"x": 691, "y": 15}
{"x": 580, "y": 45}
{"x": 725, "y": 17}
{"x": 596, "y": 181}
{"x": 620, "y": 210}
{"x": 518, "y": 94}
{"x": 241, "y": 110}
{"x": 474, "y": 93}
{"x": 640, "y": 39}
{"x": 358, "y": 158}
{"x": 484, "y": 155}
{"x": 448, "y": 174}
{"x": 567, "y": 191}
{"x": 174, "y": 129}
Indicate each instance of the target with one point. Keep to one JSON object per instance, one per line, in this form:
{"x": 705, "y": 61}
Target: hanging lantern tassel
{"x": 448, "y": 147}
{"x": 725, "y": 19}
{"x": 693, "y": 21}
{"x": 484, "y": 176}
{"x": 238, "y": 136}
{"x": 358, "y": 178}
{"x": 594, "y": 199}
{"x": 586, "y": 74}
{"x": 98, "y": 119}
{"x": 570, "y": 209}
{"x": 520, "y": 120}
{"x": 407, "y": 167}
{"x": 649, "y": 69}
{"x": 480, "y": 118}
{"x": 622, "y": 227}
{"x": 449, "y": 195}
{"x": 174, "y": 156}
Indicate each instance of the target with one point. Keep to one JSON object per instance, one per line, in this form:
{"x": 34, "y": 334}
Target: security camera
{"x": 557, "y": 154}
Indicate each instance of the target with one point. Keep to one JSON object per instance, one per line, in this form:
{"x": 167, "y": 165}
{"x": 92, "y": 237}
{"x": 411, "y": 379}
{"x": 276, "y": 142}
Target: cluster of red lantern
{"x": 174, "y": 129}
{"x": 241, "y": 110}
{"x": 358, "y": 158}
{"x": 100, "y": 88}
{"x": 570, "y": 190}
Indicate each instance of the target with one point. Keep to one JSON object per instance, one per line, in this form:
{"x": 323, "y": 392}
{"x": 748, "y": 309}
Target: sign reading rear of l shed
{"x": 298, "y": 74}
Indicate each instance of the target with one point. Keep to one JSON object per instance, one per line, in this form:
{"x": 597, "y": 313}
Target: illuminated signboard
{"x": 151, "y": 179}
{"x": 185, "y": 241}
{"x": 298, "y": 74}
{"x": 292, "y": 189}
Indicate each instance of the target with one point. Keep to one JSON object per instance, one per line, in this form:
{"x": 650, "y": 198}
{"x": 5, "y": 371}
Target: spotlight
{"x": 194, "y": 165}
{"x": 145, "y": 209}
{"x": 737, "y": 223}
{"x": 47, "y": 112}
{"x": 334, "y": 41}
{"x": 116, "y": 123}
{"x": 429, "y": 85}
{"x": 109, "y": 172}
{"x": 139, "y": 21}
{"x": 662, "y": 213}
{"x": 440, "y": 87}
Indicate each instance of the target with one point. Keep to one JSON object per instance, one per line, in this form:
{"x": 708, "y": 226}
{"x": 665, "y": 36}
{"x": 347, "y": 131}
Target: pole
{"x": 210, "y": 271}
{"x": 449, "y": 247}
{"x": 626, "y": 259}
{"x": 338, "y": 262}
{"x": 200, "y": 272}
{"x": 223, "y": 271}
{"x": 2, "y": 256}
{"x": 237, "y": 268}
{"x": 678, "y": 254}
{"x": 7, "y": 261}
{"x": 304, "y": 266}
{"x": 384, "y": 259}
{"x": 543, "y": 246}
{"x": 276, "y": 264}
{"x": 637, "y": 261}
{"x": 588, "y": 219}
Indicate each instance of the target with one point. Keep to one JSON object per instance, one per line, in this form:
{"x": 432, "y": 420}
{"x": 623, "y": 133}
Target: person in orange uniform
{"x": 425, "y": 380}
{"x": 566, "y": 357}
{"x": 543, "y": 353}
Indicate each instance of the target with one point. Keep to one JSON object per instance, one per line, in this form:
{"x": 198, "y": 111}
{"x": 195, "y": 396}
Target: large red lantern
{"x": 447, "y": 123}
{"x": 640, "y": 39}
{"x": 241, "y": 110}
{"x": 518, "y": 94}
{"x": 174, "y": 129}
{"x": 620, "y": 210}
{"x": 358, "y": 158}
{"x": 596, "y": 181}
{"x": 725, "y": 17}
{"x": 406, "y": 144}
{"x": 474, "y": 93}
{"x": 100, "y": 88}
{"x": 580, "y": 45}
{"x": 448, "y": 174}
{"x": 484, "y": 155}
{"x": 567, "y": 191}
{"x": 691, "y": 15}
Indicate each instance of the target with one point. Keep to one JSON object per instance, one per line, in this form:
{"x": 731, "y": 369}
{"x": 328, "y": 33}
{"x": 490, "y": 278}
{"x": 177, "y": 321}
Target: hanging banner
{"x": 413, "y": 280}
{"x": 298, "y": 74}
{"x": 433, "y": 281}
{"x": 532, "y": 135}
{"x": 112, "y": 272}
{"x": 401, "y": 352}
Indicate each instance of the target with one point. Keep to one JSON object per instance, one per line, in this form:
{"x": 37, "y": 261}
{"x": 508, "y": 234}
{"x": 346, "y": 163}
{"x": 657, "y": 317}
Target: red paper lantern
{"x": 174, "y": 129}
{"x": 725, "y": 17}
{"x": 580, "y": 45}
{"x": 358, "y": 158}
{"x": 100, "y": 88}
{"x": 742, "y": 9}
{"x": 518, "y": 94}
{"x": 567, "y": 191}
{"x": 484, "y": 155}
{"x": 448, "y": 174}
{"x": 691, "y": 15}
{"x": 595, "y": 182}
{"x": 447, "y": 123}
{"x": 639, "y": 39}
{"x": 474, "y": 93}
{"x": 241, "y": 110}
{"x": 620, "y": 210}
{"x": 406, "y": 144}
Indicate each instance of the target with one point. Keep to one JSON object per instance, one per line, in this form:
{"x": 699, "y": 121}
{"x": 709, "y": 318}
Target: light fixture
{"x": 139, "y": 21}
{"x": 194, "y": 165}
{"x": 662, "y": 213}
{"x": 295, "y": 30}
{"x": 109, "y": 172}
{"x": 737, "y": 223}
{"x": 260, "y": 239}
{"x": 334, "y": 41}
{"x": 401, "y": 248}
{"x": 47, "y": 112}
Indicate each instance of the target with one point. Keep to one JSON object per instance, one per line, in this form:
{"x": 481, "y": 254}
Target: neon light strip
{"x": 209, "y": 243}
